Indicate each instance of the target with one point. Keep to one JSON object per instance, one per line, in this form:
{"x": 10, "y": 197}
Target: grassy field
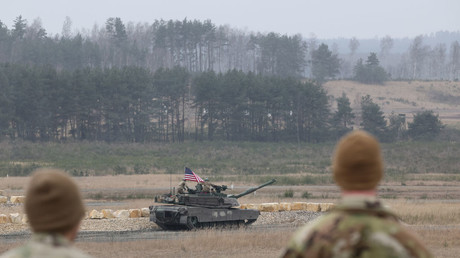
{"x": 422, "y": 185}
{"x": 442, "y": 243}
{"x": 437, "y": 223}
{"x": 431, "y": 210}
{"x": 227, "y": 160}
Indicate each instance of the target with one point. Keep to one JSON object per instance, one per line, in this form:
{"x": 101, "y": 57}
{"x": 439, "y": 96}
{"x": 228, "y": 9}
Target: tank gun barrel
{"x": 253, "y": 189}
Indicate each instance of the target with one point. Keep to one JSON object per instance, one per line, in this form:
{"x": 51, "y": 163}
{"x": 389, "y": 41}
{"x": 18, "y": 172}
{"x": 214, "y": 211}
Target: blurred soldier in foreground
{"x": 54, "y": 208}
{"x": 359, "y": 226}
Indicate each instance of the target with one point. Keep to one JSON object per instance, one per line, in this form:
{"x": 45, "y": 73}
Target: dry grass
{"x": 429, "y": 223}
{"x": 18, "y": 185}
{"x": 443, "y": 243}
{"x": 124, "y": 181}
{"x": 436, "y": 221}
{"x": 427, "y": 213}
{"x": 137, "y": 191}
{"x": 208, "y": 243}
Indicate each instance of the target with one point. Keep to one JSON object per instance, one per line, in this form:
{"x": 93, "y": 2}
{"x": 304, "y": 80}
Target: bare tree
{"x": 312, "y": 45}
{"x": 437, "y": 62}
{"x": 67, "y": 28}
{"x": 417, "y": 55}
{"x": 35, "y": 30}
{"x": 353, "y": 46}
{"x": 455, "y": 60}
{"x": 312, "y": 42}
{"x": 386, "y": 44}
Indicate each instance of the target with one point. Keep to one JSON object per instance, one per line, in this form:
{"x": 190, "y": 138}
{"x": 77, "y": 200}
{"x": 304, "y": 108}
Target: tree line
{"x": 196, "y": 45}
{"x": 201, "y": 46}
{"x": 133, "y": 104}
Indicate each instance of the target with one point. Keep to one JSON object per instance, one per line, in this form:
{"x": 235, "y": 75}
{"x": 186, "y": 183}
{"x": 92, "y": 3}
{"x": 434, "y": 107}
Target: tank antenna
{"x": 170, "y": 183}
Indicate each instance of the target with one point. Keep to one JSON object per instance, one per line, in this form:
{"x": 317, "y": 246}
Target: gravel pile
{"x": 117, "y": 224}
{"x": 9, "y": 228}
{"x": 294, "y": 218}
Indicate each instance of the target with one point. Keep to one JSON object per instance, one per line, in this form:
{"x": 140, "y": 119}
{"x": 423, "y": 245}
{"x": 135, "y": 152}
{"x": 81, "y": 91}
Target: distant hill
{"x": 404, "y": 97}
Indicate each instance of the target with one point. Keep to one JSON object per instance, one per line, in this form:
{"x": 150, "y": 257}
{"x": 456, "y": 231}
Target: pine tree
{"x": 324, "y": 64}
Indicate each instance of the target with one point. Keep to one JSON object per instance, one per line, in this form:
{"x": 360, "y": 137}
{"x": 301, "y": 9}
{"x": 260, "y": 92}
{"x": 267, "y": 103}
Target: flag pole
{"x": 170, "y": 183}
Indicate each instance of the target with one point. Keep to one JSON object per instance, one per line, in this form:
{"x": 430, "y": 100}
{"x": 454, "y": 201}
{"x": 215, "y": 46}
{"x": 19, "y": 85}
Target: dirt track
{"x": 100, "y": 230}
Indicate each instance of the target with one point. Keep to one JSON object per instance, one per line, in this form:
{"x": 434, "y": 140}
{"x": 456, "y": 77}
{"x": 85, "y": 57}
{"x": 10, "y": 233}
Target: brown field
{"x": 443, "y": 242}
{"x": 405, "y": 97}
{"x": 434, "y": 217}
{"x": 214, "y": 243}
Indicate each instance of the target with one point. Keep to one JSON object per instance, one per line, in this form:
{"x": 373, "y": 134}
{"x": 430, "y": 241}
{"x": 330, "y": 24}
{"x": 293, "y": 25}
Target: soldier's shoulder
{"x": 328, "y": 234}
{"x": 43, "y": 251}
{"x": 401, "y": 238}
{"x": 21, "y": 251}
{"x": 302, "y": 235}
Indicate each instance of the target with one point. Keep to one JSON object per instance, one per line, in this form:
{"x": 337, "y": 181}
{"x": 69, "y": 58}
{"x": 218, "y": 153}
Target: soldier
{"x": 182, "y": 188}
{"x": 54, "y": 209}
{"x": 207, "y": 186}
{"x": 219, "y": 188}
{"x": 199, "y": 188}
{"x": 359, "y": 226}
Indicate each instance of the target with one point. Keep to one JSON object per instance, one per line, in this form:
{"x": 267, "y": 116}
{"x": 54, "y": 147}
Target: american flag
{"x": 191, "y": 176}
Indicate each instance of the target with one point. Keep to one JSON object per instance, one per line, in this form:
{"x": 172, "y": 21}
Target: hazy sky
{"x": 324, "y": 18}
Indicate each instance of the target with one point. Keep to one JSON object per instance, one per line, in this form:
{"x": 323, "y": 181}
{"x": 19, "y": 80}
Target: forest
{"x": 134, "y": 105}
{"x": 200, "y": 46}
{"x": 175, "y": 80}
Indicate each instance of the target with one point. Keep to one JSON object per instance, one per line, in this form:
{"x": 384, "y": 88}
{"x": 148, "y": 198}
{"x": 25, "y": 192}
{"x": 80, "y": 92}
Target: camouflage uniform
{"x": 359, "y": 226}
{"x": 199, "y": 188}
{"x": 45, "y": 245}
{"x": 183, "y": 188}
{"x": 207, "y": 187}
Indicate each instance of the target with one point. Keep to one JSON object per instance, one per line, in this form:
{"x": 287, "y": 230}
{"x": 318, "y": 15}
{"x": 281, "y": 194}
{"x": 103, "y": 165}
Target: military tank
{"x": 198, "y": 209}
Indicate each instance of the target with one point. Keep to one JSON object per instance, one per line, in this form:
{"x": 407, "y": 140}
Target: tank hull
{"x": 176, "y": 217}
